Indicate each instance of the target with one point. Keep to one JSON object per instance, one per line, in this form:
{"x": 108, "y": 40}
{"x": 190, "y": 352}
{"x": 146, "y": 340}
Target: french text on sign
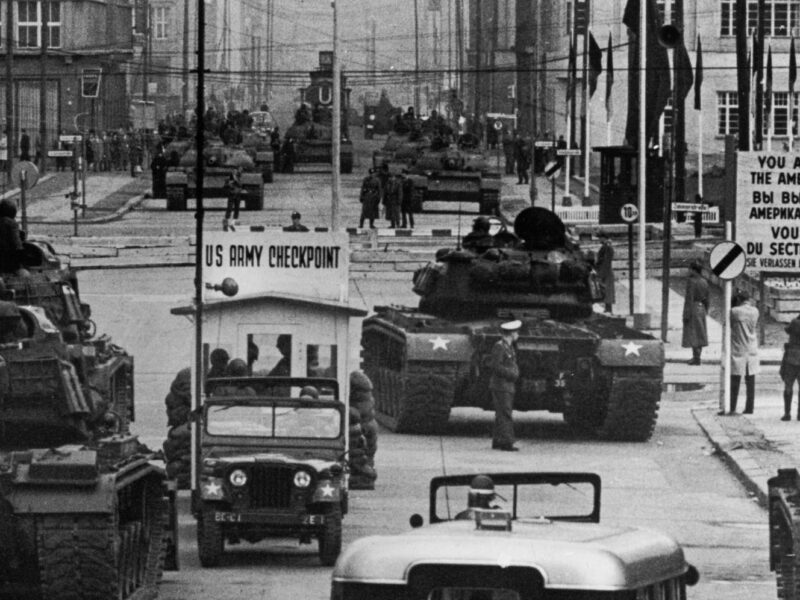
{"x": 727, "y": 260}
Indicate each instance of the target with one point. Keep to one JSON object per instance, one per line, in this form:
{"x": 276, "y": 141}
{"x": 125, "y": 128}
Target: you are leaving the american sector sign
{"x": 768, "y": 210}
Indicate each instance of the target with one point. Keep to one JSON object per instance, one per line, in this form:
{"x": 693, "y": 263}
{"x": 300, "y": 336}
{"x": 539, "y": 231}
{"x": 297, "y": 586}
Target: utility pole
{"x": 742, "y": 76}
{"x": 185, "y": 89}
{"x": 478, "y": 32}
{"x": 459, "y": 19}
{"x": 416, "y": 57}
{"x": 45, "y": 40}
{"x": 11, "y": 128}
{"x": 758, "y": 64}
{"x": 336, "y": 133}
{"x": 146, "y": 52}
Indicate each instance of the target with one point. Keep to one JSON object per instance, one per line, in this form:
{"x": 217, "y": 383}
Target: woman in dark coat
{"x": 695, "y": 309}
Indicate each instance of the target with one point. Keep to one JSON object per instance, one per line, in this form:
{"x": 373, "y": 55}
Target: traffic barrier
{"x": 590, "y": 214}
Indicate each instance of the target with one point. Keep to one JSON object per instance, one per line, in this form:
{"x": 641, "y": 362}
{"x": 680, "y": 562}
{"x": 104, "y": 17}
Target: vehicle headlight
{"x": 302, "y": 479}
{"x": 238, "y": 478}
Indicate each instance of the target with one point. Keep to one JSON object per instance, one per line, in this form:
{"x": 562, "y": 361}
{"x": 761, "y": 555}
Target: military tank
{"x": 604, "y": 377}
{"x": 85, "y": 512}
{"x": 220, "y": 162}
{"x": 256, "y": 143}
{"x": 311, "y": 133}
{"x": 455, "y": 173}
{"x": 401, "y": 150}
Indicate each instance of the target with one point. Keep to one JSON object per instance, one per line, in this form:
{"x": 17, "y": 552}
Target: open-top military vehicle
{"x": 272, "y": 463}
{"x": 84, "y": 510}
{"x": 455, "y": 173}
{"x": 603, "y": 376}
{"x": 220, "y": 162}
{"x": 521, "y": 535}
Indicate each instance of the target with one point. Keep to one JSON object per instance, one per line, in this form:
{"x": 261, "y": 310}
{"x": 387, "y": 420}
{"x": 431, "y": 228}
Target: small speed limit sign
{"x": 629, "y": 213}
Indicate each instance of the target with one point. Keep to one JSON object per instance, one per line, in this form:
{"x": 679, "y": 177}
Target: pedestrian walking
{"x": 605, "y": 270}
{"x": 24, "y": 145}
{"x": 407, "y": 202}
{"x": 234, "y": 186}
{"x": 523, "y": 159}
{"x": 744, "y": 350}
{"x": 370, "y": 199}
{"x": 504, "y": 373}
{"x": 790, "y": 368}
{"x": 695, "y": 309}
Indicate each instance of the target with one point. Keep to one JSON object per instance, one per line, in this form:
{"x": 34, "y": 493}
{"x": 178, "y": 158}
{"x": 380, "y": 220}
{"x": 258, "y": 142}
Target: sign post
{"x": 498, "y": 127}
{"x": 24, "y": 174}
{"x": 727, "y": 261}
{"x": 551, "y": 170}
{"x": 629, "y": 214}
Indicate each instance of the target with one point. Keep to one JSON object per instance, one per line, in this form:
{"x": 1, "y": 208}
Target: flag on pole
{"x": 595, "y": 64}
{"x": 698, "y": 75}
{"x": 768, "y": 90}
{"x": 609, "y": 80}
{"x": 684, "y": 64}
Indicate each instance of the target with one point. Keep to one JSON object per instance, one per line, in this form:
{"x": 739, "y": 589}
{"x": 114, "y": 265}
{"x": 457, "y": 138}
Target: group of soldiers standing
{"x": 395, "y": 192}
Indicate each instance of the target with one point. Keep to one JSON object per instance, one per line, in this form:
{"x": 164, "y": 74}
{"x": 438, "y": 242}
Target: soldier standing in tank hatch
{"x": 504, "y": 371}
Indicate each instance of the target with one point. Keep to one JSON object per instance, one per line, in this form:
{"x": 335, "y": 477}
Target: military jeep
{"x": 272, "y": 464}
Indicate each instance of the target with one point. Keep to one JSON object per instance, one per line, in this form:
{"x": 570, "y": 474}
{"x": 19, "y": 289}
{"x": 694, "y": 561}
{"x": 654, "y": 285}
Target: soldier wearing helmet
{"x": 479, "y": 239}
{"x": 480, "y": 496}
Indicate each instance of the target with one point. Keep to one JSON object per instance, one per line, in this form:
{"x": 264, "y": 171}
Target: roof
{"x": 584, "y": 556}
{"x": 226, "y": 303}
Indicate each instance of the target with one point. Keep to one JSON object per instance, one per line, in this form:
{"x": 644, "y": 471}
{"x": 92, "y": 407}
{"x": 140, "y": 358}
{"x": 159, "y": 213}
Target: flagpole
{"x": 587, "y": 109}
{"x": 609, "y": 82}
{"x": 698, "y": 78}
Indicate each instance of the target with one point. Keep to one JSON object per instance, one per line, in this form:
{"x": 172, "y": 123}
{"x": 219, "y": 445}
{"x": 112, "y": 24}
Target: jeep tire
{"x": 210, "y": 542}
{"x": 330, "y": 538}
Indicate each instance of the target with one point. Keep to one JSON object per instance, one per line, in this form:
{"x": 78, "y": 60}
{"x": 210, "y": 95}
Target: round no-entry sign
{"x": 27, "y": 171}
{"x": 498, "y": 125}
{"x": 629, "y": 212}
{"x": 727, "y": 260}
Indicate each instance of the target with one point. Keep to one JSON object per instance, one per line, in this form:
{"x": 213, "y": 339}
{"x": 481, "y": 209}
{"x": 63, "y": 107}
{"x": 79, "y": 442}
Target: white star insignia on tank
{"x": 439, "y": 343}
{"x": 632, "y": 348}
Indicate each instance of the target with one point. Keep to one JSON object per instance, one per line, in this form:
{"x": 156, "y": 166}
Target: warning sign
{"x": 314, "y": 265}
{"x": 768, "y": 210}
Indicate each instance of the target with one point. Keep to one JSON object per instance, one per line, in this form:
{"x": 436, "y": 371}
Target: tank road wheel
{"x": 330, "y": 538}
{"x": 176, "y": 197}
{"x": 629, "y": 408}
{"x": 210, "y": 542}
{"x": 254, "y": 197}
{"x": 425, "y": 404}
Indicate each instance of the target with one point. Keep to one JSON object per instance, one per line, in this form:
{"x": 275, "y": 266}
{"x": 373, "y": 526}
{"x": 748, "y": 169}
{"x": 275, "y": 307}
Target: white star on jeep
{"x": 213, "y": 488}
{"x": 327, "y": 490}
{"x": 631, "y": 348}
{"x": 439, "y": 343}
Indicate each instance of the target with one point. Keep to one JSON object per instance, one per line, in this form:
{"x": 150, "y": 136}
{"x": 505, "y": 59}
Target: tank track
{"x": 784, "y": 500}
{"x": 417, "y": 401}
{"x": 90, "y": 557}
{"x": 631, "y": 405}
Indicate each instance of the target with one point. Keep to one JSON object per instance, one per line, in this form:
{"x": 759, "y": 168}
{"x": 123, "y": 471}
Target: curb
{"x": 739, "y": 460}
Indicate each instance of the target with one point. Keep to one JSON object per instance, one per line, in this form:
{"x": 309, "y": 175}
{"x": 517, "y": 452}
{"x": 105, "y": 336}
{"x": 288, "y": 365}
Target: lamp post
{"x": 336, "y": 134}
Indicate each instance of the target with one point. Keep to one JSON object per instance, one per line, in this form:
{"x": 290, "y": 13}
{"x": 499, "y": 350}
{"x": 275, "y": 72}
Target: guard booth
{"x": 619, "y": 174}
{"x": 290, "y": 314}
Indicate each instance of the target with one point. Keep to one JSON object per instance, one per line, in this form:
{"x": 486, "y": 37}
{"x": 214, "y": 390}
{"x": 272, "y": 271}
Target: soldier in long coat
{"x": 695, "y": 309}
{"x": 605, "y": 270}
{"x": 790, "y": 368}
{"x": 744, "y": 350}
{"x": 504, "y": 371}
{"x": 370, "y": 198}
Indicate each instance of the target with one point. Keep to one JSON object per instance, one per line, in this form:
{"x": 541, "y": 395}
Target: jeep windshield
{"x": 274, "y": 420}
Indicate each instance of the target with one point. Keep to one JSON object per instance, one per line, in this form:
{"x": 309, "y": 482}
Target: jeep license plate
{"x": 226, "y": 517}
{"x": 314, "y": 520}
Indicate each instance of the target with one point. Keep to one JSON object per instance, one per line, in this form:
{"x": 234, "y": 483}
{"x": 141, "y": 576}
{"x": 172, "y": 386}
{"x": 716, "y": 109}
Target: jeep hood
{"x": 308, "y": 457}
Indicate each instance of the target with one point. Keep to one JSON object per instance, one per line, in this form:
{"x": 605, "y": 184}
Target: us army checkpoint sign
{"x": 727, "y": 260}
{"x": 768, "y": 210}
{"x": 309, "y": 264}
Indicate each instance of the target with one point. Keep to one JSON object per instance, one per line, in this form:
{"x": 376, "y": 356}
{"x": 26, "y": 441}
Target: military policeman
{"x": 480, "y": 496}
{"x": 502, "y": 385}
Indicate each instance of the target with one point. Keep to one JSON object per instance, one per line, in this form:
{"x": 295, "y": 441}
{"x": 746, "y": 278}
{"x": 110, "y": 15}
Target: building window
{"x": 661, "y": 5}
{"x": 727, "y": 113}
{"x": 161, "y": 21}
{"x": 28, "y": 24}
{"x": 54, "y": 25}
{"x": 781, "y": 17}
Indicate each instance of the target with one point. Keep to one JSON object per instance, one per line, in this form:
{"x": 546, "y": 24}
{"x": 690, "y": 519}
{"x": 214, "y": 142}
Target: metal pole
{"x": 23, "y": 202}
{"x": 198, "y": 266}
{"x": 642, "y": 162}
{"x": 11, "y": 130}
{"x": 630, "y": 266}
{"x": 725, "y": 373}
{"x": 43, "y": 87}
{"x": 416, "y": 55}
{"x": 185, "y": 91}
{"x": 337, "y": 123}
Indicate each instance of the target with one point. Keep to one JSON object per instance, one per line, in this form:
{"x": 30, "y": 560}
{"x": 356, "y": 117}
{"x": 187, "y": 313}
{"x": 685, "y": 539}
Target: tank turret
{"x": 536, "y": 270}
